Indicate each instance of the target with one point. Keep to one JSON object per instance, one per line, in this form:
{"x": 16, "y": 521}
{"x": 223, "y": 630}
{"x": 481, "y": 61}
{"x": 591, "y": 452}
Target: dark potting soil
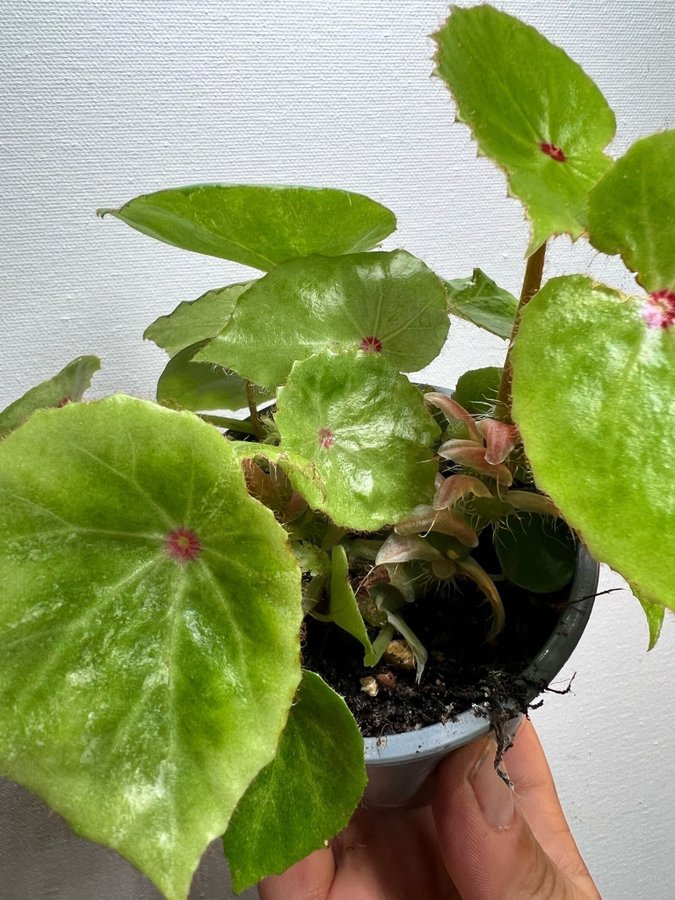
{"x": 462, "y": 671}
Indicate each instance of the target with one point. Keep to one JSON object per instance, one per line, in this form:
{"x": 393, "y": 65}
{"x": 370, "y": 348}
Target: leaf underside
{"x": 146, "y": 599}
{"x": 481, "y": 301}
{"x": 536, "y": 552}
{"x": 259, "y": 225}
{"x": 527, "y": 102}
{"x": 365, "y": 430}
{"x": 386, "y": 303}
{"x": 305, "y": 795}
{"x": 599, "y": 425}
{"x": 66, "y": 386}
{"x": 632, "y": 211}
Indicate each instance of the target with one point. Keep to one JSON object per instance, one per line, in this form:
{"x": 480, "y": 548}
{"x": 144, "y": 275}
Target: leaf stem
{"x": 259, "y": 431}
{"x": 531, "y": 284}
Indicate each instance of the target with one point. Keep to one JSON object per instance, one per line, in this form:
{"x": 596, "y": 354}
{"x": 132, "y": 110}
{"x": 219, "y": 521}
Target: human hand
{"x": 478, "y": 841}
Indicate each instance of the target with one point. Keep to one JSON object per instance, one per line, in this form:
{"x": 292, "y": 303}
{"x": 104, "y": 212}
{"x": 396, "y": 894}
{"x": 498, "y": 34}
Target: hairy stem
{"x": 257, "y": 425}
{"x": 531, "y": 284}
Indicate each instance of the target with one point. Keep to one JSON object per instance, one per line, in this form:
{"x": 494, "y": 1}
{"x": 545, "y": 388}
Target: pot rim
{"x": 436, "y": 739}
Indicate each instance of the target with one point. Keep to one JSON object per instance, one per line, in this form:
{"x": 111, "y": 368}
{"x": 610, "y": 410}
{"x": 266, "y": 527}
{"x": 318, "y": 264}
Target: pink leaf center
{"x": 326, "y": 438}
{"x": 371, "y": 344}
{"x": 659, "y": 309}
{"x": 183, "y": 545}
{"x": 554, "y": 152}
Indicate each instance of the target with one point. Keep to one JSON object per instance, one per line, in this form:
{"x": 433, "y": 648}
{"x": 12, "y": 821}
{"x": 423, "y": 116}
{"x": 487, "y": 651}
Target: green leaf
{"x": 66, "y": 386}
{"x": 146, "y": 599}
{"x": 344, "y": 609}
{"x": 477, "y": 390}
{"x": 186, "y": 384}
{"x": 479, "y": 300}
{"x": 364, "y": 428}
{"x": 388, "y": 303}
{"x": 195, "y": 320}
{"x": 259, "y": 225}
{"x": 306, "y": 795}
{"x": 532, "y": 110}
{"x": 632, "y": 211}
{"x": 655, "y": 615}
{"x": 593, "y": 398}
{"x": 537, "y": 553}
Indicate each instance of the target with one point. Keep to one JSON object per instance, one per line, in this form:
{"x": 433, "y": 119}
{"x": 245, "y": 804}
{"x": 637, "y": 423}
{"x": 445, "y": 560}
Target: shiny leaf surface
{"x": 387, "y": 304}
{"x": 479, "y": 300}
{"x": 259, "y": 225}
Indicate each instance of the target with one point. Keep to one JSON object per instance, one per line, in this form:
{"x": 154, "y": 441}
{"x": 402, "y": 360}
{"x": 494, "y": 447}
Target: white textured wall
{"x": 103, "y": 99}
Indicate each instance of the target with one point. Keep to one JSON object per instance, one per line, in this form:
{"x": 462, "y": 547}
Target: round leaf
{"x": 477, "y": 390}
{"x": 593, "y": 398}
{"x": 66, "y": 386}
{"x": 537, "y": 553}
{"x": 384, "y": 303}
{"x": 149, "y": 625}
{"x": 186, "y": 384}
{"x": 195, "y": 320}
{"x": 305, "y": 795}
{"x": 632, "y": 211}
{"x": 364, "y": 428}
{"x": 532, "y": 110}
{"x": 259, "y": 225}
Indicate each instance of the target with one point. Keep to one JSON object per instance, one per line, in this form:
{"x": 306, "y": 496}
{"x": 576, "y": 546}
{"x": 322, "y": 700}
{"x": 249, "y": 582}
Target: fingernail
{"x": 494, "y": 797}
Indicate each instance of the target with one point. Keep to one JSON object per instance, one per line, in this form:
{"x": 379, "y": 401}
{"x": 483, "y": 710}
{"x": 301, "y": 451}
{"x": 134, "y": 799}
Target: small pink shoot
{"x": 500, "y": 439}
{"x": 451, "y": 409}
{"x": 456, "y": 487}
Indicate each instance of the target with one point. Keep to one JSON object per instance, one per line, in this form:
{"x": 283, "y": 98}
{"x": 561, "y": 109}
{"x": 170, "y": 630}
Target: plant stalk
{"x": 531, "y": 284}
{"x": 257, "y": 425}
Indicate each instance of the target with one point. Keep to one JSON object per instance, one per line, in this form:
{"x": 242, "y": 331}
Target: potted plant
{"x": 166, "y": 567}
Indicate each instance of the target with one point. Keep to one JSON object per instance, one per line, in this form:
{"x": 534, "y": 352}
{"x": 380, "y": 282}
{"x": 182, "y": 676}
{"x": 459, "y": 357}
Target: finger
{"x": 488, "y": 848}
{"x": 538, "y": 800}
{"x": 310, "y": 879}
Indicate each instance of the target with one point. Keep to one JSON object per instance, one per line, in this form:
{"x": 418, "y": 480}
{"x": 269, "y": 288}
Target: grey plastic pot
{"x": 399, "y": 767}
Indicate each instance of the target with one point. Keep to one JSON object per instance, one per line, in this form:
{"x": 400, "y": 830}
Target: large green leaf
{"x": 259, "y": 225}
{"x": 388, "y": 303}
{"x": 305, "y": 795}
{"x": 364, "y": 428}
{"x": 632, "y": 211}
{"x": 149, "y": 622}
{"x": 479, "y": 300}
{"x": 593, "y": 398}
{"x": 66, "y": 386}
{"x": 532, "y": 110}
{"x": 186, "y": 384}
{"x": 195, "y": 320}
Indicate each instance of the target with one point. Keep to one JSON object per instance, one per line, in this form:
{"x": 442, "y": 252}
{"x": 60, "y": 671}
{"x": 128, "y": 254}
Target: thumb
{"x": 488, "y": 847}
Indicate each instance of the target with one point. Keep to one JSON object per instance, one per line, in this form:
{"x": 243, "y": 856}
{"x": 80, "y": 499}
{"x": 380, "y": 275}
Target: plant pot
{"x": 399, "y": 766}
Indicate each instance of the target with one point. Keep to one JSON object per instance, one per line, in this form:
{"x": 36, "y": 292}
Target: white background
{"x": 101, "y": 101}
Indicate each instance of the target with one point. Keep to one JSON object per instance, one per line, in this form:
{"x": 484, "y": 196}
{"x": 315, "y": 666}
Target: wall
{"x": 101, "y": 101}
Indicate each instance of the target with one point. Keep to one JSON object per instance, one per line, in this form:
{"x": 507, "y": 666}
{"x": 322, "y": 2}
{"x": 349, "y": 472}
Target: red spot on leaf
{"x": 554, "y": 152}
{"x": 371, "y": 344}
{"x": 183, "y": 545}
{"x": 326, "y": 438}
{"x": 659, "y": 309}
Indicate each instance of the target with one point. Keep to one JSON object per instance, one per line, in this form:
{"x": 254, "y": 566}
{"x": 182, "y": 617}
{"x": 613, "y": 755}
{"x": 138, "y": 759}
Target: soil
{"x": 462, "y": 672}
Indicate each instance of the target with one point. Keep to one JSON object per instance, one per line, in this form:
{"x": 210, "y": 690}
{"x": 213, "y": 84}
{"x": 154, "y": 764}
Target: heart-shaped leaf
{"x": 195, "y": 320}
{"x": 479, "y": 300}
{"x": 259, "y": 225}
{"x": 365, "y": 429}
{"x": 632, "y": 212}
{"x": 66, "y": 386}
{"x": 382, "y": 303}
{"x": 146, "y": 600}
{"x": 593, "y": 397}
{"x": 532, "y": 110}
{"x": 305, "y": 795}
{"x": 186, "y": 384}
